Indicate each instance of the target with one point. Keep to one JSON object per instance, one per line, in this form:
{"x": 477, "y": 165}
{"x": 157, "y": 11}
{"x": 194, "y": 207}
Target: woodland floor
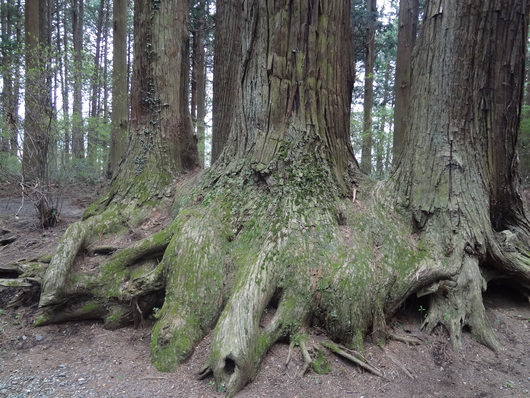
{"x": 82, "y": 359}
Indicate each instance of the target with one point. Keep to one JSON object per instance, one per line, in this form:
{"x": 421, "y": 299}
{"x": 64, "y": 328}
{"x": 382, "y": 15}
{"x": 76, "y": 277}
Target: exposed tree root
{"x": 124, "y": 286}
{"x": 458, "y": 303}
{"x": 352, "y": 356}
{"x": 307, "y": 358}
{"x": 257, "y": 267}
{"x": 403, "y": 339}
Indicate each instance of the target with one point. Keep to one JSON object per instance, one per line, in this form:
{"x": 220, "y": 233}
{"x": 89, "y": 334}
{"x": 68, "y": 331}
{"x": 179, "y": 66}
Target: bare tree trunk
{"x": 78, "y": 145}
{"x": 227, "y": 54}
{"x": 11, "y": 20}
{"x": 458, "y": 172}
{"x": 198, "y": 78}
{"x": 120, "y": 109}
{"x": 92, "y": 138}
{"x": 407, "y": 31}
{"x": 367, "y": 137}
{"x": 36, "y": 134}
{"x": 64, "y": 70}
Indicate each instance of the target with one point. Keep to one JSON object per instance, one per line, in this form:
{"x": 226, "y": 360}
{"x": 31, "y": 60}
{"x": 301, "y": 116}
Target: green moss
{"x": 172, "y": 342}
{"x": 321, "y": 364}
{"x": 33, "y": 270}
{"x": 42, "y": 320}
{"x": 91, "y": 306}
{"x": 118, "y": 316}
{"x": 96, "y": 208}
{"x": 46, "y": 258}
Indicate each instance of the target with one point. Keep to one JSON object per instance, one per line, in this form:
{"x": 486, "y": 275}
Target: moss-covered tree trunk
{"x": 161, "y": 146}
{"x": 284, "y": 232}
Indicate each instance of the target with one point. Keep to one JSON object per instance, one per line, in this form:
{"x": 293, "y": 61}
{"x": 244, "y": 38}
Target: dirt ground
{"x": 82, "y": 359}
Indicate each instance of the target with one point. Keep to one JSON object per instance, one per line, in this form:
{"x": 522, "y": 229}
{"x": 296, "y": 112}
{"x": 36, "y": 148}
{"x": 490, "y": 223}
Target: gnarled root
{"x": 122, "y": 289}
{"x": 458, "y": 303}
{"x": 198, "y": 277}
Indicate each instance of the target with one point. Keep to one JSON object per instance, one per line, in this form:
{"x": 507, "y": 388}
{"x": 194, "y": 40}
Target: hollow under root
{"x": 122, "y": 289}
{"x": 458, "y": 303}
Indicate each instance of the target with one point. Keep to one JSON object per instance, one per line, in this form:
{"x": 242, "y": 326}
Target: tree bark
{"x": 458, "y": 165}
{"x": 64, "y": 67}
{"x": 78, "y": 146}
{"x": 10, "y": 19}
{"x": 36, "y": 137}
{"x": 95, "y": 91}
{"x": 367, "y": 136}
{"x": 227, "y": 54}
{"x": 407, "y": 31}
{"x": 198, "y": 77}
{"x": 120, "y": 108}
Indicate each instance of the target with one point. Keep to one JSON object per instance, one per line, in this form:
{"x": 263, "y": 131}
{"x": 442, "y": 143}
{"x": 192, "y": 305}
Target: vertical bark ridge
{"x": 454, "y": 192}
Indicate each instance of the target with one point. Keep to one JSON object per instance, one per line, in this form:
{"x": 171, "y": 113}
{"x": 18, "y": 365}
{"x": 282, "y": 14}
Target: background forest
{"x": 64, "y": 83}
{"x": 74, "y": 78}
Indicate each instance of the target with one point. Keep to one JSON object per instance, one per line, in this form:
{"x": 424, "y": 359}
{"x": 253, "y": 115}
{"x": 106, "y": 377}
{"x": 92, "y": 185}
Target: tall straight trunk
{"x": 407, "y": 31}
{"x": 106, "y": 66}
{"x": 7, "y": 77}
{"x": 17, "y": 83}
{"x": 78, "y": 145}
{"x": 64, "y": 71}
{"x": 382, "y": 138}
{"x": 227, "y": 50}
{"x": 37, "y": 95}
{"x": 120, "y": 109}
{"x": 198, "y": 78}
{"x": 11, "y": 18}
{"x": 95, "y": 90}
{"x": 50, "y": 72}
{"x": 161, "y": 134}
{"x": 367, "y": 134}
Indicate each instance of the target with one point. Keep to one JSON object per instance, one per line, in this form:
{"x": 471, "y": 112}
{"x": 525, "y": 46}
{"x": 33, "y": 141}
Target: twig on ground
{"x": 397, "y": 362}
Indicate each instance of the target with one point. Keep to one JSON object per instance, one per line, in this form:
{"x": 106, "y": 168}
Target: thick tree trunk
{"x": 227, "y": 54}
{"x": 161, "y": 134}
{"x": 288, "y": 153}
{"x": 160, "y": 148}
{"x": 458, "y": 173}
